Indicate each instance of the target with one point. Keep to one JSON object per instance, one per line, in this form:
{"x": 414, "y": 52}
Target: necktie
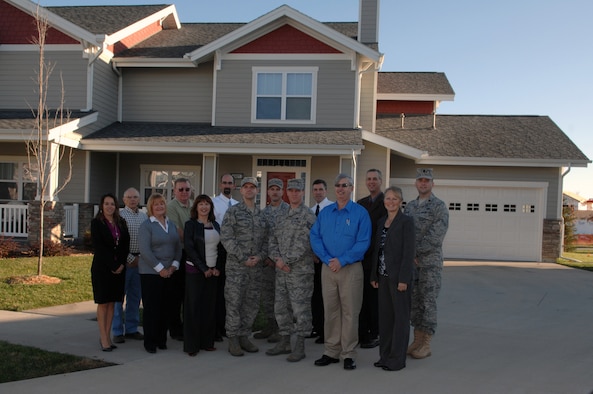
{"x": 229, "y": 203}
{"x": 317, "y": 210}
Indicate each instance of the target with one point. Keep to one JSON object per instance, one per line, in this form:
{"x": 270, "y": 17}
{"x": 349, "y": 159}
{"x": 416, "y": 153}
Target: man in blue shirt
{"x": 340, "y": 237}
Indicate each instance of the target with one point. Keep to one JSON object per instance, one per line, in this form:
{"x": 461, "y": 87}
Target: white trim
{"x": 243, "y": 149}
{"x": 474, "y": 183}
{"x": 141, "y": 24}
{"x": 121, "y": 62}
{"x": 415, "y": 97}
{"x": 403, "y": 150}
{"x": 297, "y": 170}
{"x": 196, "y": 169}
{"x": 498, "y": 162}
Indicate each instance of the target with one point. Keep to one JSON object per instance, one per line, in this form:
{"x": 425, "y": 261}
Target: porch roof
{"x": 204, "y": 138}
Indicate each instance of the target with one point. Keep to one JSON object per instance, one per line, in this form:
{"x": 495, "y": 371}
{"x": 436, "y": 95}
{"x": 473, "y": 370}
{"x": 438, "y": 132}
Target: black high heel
{"x": 106, "y": 349}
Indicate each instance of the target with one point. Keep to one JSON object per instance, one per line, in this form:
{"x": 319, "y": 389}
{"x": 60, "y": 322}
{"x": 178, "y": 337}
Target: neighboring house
{"x": 572, "y": 200}
{"x": 281, "y": 96}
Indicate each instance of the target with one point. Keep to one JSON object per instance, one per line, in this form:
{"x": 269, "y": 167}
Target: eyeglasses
{"x": 184, "y": 189}
{"x": 342, "y": 185}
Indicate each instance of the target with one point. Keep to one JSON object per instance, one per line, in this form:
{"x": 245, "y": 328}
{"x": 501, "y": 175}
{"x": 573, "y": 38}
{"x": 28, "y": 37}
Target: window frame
{"x": 173, "y": 172}
{"x": 284, "y": 71}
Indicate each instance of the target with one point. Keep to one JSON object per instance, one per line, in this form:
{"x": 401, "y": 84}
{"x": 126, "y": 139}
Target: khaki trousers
{"x": 342, "y": 300}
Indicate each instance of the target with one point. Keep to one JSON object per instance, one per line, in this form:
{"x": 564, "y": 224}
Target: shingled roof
{"x": 413, "y": 83}
{"x": 482, "y": 136}
{"x": 199, "y": 133}
{"x": 106, "y": 19}
{"x": 24, "y": 119}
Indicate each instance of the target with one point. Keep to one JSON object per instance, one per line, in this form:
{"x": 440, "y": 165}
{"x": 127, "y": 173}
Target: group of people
{"x": 343, "y": 272}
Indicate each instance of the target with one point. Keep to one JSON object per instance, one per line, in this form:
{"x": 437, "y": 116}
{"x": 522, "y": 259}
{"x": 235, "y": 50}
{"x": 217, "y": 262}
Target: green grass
{"x": 73, "y": 271}
{"x": 23, "y": 362}
{"x": 585, "y": 257}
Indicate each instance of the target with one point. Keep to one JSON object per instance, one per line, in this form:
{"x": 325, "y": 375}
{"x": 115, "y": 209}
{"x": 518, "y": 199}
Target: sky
{"x": 505, "y": 57}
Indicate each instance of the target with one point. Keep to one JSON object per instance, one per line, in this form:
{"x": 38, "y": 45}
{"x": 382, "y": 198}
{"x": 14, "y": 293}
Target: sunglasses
{"x": 342, "y": 185}
{"x": 184, "y": 189}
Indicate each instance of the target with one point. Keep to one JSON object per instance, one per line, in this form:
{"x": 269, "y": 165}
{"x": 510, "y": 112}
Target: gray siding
{"x": 405, "y": 168}
{"x": 368, "y": 109}
{"x": 168, "y": 95}
{"x": 18, "y": 79}
{"x": 369, "y": 21}
{"x": 74, "y": 190}
{"x": 103, "y": 173}
{"x": 373, "y": 156}
{"x": 335, "y": 92}
{"x": 326, "y": 168}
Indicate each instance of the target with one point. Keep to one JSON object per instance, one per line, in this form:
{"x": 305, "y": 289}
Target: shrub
{"x": 8, "y": 247}
{"x": 51, "y": 248}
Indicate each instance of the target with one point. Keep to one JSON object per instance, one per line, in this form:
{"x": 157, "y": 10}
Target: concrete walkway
{"x": 504, "y": 328}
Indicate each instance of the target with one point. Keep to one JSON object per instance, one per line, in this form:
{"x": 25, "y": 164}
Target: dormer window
{"x": 284, "y": 94}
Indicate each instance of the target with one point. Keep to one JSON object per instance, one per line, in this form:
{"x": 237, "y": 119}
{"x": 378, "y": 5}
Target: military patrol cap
{"x": 425, "y": 173}
{"x": 275, "y": 182}
{"x": 296, "y": 183}
{"x": 249, "y": 179}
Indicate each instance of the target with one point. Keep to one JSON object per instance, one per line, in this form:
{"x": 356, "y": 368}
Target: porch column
{"x": 209, "y": 174}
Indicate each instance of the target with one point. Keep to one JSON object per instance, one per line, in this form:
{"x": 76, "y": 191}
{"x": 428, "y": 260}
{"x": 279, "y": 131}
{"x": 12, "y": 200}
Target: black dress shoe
{"x": 326, "y": 360}
{"x": 162, "y": 347}
{"x": 313, "y": 334}
{"x": 150, "y": 349}
{"x": 349, "y": 364}
{"x": 320, "y": 340}
{"x": 113, "y": 347}
{"x": 386, "y": 368}
{"x": 135, "y": 335}
{"x": 370, "y": 344}
{"x": 379, "y": 364}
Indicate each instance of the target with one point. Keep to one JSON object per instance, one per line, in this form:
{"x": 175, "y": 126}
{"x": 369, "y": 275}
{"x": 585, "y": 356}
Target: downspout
{"x": 562, "y": 216}
{"x": 119, "y": 91}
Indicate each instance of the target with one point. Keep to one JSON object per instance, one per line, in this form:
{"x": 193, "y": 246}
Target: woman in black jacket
{"x": 111, "y": 245}
{"x": 202, "y": 268}
{"x": 392, "y": 273}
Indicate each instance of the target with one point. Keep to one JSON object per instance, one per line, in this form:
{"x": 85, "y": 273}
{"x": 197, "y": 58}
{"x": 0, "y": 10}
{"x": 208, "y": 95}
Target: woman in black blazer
{"x": 111, "y": 245}
{"x": 392, "y": 273}
{"x": 202, "y": 246}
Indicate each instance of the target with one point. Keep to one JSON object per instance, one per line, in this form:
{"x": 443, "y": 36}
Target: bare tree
{"x": 44, "y": 150}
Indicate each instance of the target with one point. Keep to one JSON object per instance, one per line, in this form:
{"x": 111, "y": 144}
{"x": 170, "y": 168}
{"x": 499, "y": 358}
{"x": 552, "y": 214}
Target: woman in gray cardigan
{"x": 160, "y": 253}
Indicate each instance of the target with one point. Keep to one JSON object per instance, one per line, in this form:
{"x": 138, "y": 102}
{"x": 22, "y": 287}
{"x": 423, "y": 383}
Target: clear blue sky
{"x": 505, "y": 57}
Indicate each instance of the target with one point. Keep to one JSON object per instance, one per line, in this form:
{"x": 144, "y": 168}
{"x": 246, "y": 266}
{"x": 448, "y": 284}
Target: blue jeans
{"x": 132, "y": 314}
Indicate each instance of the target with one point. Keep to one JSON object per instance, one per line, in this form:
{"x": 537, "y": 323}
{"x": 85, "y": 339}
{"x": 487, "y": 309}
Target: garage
{"x": 490, "y": 220}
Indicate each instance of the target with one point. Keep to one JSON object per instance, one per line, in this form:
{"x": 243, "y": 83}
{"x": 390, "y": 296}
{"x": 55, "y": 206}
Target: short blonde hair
{"x": 153, "y": 199}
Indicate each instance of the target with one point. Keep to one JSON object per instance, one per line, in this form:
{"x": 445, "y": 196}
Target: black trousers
{"x": 175, "y": 324}
{"x": 368, "y": 323}
{"x": 198, "y": 312}
{"x": 394, "y": 323}
{"x": 317, "y": 301}
{"x": 156, "y": 298}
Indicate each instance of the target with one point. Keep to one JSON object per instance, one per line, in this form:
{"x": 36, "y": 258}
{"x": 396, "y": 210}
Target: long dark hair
{"x": 101, "y": 216}
{"x": 194, "y": 207}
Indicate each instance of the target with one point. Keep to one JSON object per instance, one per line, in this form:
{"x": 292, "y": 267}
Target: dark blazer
{"x": 376, "y": 210}
{"x": 195, "y": 247}
{"x": 399, "y": 249}
{"x": 106, "y": 252}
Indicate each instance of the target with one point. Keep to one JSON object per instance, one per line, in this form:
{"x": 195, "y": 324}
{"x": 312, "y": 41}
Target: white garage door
{"x": 491, "y": 222}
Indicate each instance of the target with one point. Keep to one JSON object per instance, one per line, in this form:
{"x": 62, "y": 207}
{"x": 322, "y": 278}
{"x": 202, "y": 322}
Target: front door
{"x": 284, "y": 176}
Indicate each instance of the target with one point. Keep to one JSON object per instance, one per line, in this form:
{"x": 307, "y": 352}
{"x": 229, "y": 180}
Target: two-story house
{"x": 285, "y": 96}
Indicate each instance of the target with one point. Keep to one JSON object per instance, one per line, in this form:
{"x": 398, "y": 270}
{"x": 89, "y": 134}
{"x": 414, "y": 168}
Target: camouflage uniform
{"x": 242, "y": 234}
{"x": 431, "y": 219}
{"x": 290, "y": 241}
{"x": 270, "y": 214}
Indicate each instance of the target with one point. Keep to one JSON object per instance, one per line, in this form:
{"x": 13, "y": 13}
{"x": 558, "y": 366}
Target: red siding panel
{"x": 18, "y": 27}
{"x": 286, "y": 39}
{"x": 385, "y": 107}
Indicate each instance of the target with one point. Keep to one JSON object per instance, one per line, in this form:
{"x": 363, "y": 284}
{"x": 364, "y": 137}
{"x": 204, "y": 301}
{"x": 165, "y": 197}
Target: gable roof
{"x": 282, "y": 15}
{"x": 480, "y": 139}
{"x": 414, "y": 86}
{"x": 200, "y": 137}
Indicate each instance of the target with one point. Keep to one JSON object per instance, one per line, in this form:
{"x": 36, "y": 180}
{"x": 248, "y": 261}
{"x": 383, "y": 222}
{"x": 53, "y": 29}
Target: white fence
{"x": 14, "y": 220}
{"x": 70, "y": 221}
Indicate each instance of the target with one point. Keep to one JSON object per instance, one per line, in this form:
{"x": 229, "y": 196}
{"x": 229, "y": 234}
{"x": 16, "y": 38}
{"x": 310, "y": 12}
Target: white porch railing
{"x": 71, "y": 220}
{"x": 14, "y": 220}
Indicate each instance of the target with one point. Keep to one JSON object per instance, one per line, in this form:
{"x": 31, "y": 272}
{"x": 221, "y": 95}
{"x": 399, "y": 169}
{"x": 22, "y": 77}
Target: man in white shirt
{"x": 224, "y": 200}
{"x": 321, "y": 201}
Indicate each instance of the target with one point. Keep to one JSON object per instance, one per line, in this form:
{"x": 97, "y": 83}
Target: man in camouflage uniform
{"x": 276, "y": 207}
{"x": 290, "y": 248}
{"x": 242, "y": 234}
{"x": 431, "y": 219}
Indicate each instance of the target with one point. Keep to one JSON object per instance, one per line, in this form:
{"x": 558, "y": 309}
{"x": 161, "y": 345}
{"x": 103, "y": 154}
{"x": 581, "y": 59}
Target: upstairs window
{"x": 286, "y": 95}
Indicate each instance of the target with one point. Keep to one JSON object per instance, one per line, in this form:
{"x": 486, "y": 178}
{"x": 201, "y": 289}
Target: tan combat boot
{"x": 299, "y": 350}
{"x": 282, "y": 347}
{"x": 247, "y": 345}
{"x": 417, "y": 341}
{"x": 234, "y": 347}
{"x": 424, "y": 350}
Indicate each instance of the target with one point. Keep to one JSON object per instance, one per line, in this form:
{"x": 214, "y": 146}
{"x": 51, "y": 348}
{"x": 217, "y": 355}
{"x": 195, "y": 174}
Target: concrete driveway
{"x": 503, "y": 328}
